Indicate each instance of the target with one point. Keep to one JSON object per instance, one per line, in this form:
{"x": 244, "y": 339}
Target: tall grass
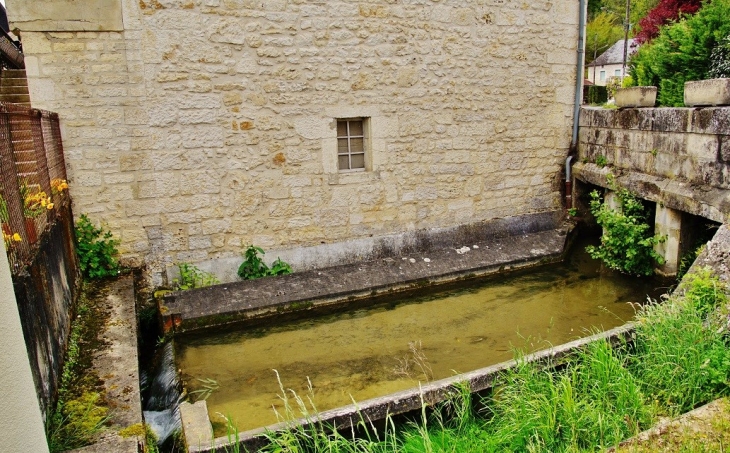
{"x": 603, "y": 395}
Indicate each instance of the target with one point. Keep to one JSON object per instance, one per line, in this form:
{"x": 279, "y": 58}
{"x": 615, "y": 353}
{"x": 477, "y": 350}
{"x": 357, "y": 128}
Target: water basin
{"x": 395, "y": 344}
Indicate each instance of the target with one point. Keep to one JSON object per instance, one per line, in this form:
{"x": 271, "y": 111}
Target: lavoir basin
{"x": 395, "y": 344}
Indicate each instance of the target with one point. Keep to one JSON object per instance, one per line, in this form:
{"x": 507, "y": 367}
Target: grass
{"x": 603, "y": 395}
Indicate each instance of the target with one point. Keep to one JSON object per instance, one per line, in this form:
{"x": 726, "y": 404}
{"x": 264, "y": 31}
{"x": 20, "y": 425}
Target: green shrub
{"x": 627, "y": 243}
{"x": 253, "y": 265}
{"x": 97, "y": 250}
{"x": 681, "y": 52}
{"x": 596, "y": 94}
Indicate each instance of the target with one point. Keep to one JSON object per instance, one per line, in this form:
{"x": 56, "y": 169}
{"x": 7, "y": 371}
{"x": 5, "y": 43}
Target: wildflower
{"x": 17, "y": 238}
{"x": 49, "y": 206}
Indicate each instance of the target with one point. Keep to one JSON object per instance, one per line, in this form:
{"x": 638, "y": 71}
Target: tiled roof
{"x": 615, "y": 53}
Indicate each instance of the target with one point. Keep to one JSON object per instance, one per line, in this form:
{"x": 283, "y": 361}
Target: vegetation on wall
{"x": 253, "y": 265}
{"x": 191, "y": 277}
{"x": 682, "y": 52}
{"x": 97, "y": 250}
{"x": 627, "y": 243}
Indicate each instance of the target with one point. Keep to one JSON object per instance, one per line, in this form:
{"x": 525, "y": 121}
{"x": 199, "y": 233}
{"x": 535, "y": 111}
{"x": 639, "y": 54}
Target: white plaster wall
{"x": 21, "y": 423}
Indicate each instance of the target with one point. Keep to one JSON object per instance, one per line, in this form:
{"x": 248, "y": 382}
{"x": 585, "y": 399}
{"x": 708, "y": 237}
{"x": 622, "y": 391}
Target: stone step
{"x": 23, "y": 99}
{"x": 13, "y": 89}
{"x": 13, "y": 81}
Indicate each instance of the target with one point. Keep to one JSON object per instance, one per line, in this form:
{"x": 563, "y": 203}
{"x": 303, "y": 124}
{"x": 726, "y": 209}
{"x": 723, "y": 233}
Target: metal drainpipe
{"x": 568, "y": 184}
{"x": 578, "y": 99}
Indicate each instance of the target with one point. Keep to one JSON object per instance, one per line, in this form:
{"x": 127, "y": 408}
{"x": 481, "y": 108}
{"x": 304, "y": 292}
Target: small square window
{"x": 617, "y": 73}
{"x": 351, "y": 144}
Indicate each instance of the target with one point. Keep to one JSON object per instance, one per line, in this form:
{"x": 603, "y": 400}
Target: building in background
{"x": 609, "y": 65}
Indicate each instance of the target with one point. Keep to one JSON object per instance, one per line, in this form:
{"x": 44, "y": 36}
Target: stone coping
{"x": 413, "y": 399}
{"x": 244, "y": 301}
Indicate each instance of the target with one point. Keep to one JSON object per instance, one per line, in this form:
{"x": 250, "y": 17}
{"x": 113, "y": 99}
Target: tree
{"x": 601, "y": 33}
{"x": 665, "y": 12}
{"x": 720, "y": 59}
{"x": 682, "y": 52}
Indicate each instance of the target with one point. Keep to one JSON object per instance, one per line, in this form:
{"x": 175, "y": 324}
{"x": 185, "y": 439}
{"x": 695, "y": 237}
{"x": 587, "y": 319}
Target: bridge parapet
{"x": 679, "y": 157}
{"x": 676, "y": 157}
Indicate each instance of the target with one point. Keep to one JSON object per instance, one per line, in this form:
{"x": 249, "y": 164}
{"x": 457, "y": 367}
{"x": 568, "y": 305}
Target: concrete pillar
{"x": 668, "y": 223}
{"x": 20, "y": 418}
{"x": 611, "y": 200}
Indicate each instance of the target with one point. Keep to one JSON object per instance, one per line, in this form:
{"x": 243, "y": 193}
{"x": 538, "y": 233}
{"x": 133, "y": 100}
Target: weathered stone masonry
{"x": 196, "y": 127}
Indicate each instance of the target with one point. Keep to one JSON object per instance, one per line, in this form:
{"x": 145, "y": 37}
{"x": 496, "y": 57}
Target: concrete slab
{"x": 196, "y": 426}
{"x": 319, "y": 288}
{"x": 117, "y": 364}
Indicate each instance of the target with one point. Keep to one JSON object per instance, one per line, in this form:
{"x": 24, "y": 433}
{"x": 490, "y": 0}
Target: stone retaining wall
{"x": 202, "y": 126}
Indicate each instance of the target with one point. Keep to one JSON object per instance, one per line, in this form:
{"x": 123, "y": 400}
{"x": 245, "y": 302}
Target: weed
{"x": 627, "y": 244}
{"x": 654, "y": 152}
{"x": 601, "y": 161}
{"x": 414, "y": 365}
{"x": 97, "y": 250}
{"x": 207, "y": 388}
{"x": 76, "y": 422}
{"x": 253, "y": 265}
{"x": 682, "y": 357}
{"x": 573, "y": 212}
{"x": 191, "y": 277}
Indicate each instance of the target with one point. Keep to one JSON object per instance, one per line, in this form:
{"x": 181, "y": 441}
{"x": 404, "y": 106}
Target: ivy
{"x": 97, "y": 250}
{"x": 627, "y": 244}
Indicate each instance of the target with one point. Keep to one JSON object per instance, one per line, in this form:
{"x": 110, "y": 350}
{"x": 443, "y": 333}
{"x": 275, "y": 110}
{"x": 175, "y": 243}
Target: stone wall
{"x": 678, "y": 157}
{"x": 207, "y": 125}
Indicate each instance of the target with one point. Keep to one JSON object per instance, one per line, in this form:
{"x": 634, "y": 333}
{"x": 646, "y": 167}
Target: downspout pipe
{"x": 568, "y": 184}
{"x": 579, "y": 74}
{"x": 577, "y": 102}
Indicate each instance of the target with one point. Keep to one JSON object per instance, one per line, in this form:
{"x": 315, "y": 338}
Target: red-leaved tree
{"x": 666, "y": 11}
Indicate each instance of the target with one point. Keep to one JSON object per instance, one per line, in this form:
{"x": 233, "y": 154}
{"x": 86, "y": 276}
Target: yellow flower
{"x": 17, "y": 238}
{"x": 49, "y": 206}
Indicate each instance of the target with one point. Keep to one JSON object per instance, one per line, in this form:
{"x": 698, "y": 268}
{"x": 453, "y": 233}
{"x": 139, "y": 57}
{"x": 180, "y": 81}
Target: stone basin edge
{"x": 415, "y": 398}
{"x": 185, "y": 312}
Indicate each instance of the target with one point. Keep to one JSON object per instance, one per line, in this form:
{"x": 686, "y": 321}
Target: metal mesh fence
{"x": 33, "y": 186}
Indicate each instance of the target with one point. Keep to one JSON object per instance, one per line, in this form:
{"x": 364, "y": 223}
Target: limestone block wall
{"x": 679, "y": 157}
{"x": 205, "y": 125}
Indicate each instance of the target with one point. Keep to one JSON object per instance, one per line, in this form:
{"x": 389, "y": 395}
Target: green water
{"x": 393, "y": 345}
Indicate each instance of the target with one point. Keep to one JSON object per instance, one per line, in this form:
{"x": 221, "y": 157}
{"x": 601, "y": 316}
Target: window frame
{"x": 350, "y": 153}
{"x": 602, "y": 76}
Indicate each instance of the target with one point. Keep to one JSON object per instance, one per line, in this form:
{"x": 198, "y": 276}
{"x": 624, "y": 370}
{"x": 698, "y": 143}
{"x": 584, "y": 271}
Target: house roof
{"x": 615, "y": 53}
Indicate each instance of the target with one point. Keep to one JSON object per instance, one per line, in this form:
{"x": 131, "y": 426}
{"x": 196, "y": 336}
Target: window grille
{"x": 351, "y": 144}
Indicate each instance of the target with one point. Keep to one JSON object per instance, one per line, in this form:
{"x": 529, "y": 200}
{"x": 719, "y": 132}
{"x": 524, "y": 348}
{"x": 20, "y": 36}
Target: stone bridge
{"x": 678, "y": 158}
